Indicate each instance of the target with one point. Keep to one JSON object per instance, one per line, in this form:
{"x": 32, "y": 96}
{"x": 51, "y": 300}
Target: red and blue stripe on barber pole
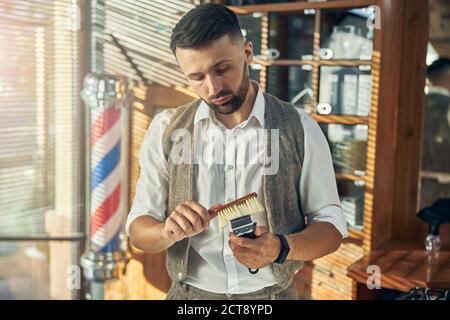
{"x": 106, "y": 179}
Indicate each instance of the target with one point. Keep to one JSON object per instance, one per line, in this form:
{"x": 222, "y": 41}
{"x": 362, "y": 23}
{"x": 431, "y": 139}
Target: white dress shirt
{"x": 211, "y": 265}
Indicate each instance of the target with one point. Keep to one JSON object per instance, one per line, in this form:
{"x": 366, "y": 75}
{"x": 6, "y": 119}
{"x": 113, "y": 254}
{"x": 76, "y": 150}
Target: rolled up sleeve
{"x": 152, "y": 186}
{"x": 319, "y": 195}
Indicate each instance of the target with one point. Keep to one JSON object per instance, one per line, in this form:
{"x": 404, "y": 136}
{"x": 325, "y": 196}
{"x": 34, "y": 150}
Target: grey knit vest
{"x": 281, "y": 190}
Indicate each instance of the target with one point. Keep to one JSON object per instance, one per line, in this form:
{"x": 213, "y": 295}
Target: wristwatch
{"x": 284, "y": 250}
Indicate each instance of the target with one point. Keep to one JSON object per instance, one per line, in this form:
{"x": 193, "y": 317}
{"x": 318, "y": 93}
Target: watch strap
{"x": 284, "y": 249}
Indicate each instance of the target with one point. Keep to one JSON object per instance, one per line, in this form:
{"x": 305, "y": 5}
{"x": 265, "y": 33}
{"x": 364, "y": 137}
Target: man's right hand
{"x": 186, "y": 220}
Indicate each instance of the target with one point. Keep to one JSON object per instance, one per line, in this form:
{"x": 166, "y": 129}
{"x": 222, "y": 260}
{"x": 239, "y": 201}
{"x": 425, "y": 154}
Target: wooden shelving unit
{"x": 327, "y": 278}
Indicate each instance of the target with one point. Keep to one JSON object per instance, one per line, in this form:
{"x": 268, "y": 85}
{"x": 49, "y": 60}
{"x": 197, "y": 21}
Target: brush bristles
{"x": 248, "y": 207}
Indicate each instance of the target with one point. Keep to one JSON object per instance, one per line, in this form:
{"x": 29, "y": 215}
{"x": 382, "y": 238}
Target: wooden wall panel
{"x": 400, "y": 111}
{"x": 410, "y": 113}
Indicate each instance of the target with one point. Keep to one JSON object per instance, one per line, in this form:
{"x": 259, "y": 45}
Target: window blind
{"x": 131, "y": 38}
{"x": 38, "y": 118}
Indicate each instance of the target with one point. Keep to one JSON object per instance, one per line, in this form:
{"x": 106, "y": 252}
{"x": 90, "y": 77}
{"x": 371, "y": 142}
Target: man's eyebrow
{"x": 215, "y": 65}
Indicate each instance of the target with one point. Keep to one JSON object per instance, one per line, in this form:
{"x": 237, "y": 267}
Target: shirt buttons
{"x": 230, "y": 167}
{"x": 180, "y": 275}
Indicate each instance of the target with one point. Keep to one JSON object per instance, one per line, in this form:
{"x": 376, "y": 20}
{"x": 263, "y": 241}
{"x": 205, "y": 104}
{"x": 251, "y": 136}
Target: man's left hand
{"x": 255, "y": 253}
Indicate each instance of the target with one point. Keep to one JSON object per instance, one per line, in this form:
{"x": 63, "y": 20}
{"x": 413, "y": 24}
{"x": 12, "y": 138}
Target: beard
{"x": 236, "y": 100}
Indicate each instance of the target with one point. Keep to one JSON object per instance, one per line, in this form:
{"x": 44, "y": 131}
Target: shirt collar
{"x": 258, "y": 110}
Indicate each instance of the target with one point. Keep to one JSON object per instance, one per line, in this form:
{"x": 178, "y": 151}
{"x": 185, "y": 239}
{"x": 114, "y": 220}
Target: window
{"x": 39, "y": 134}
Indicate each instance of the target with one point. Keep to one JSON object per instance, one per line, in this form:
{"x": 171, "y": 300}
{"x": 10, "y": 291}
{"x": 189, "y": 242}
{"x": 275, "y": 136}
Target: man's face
{"x": 218, "y": 72}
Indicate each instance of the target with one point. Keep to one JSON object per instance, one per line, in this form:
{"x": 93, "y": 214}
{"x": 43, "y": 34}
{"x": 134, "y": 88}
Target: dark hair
{"x": 204, "y": 24}
{"x": 438, "y": 68}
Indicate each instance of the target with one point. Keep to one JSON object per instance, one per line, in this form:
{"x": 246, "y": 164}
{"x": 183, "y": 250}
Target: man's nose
{"x": 214, "y": 86}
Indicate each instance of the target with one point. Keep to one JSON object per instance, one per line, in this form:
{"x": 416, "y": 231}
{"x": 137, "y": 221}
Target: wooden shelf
{"x": 283, "y": 62}
{"x": 295, "y": 62}
{"x": 439, "y": 176}
{"x": 338, "y": 119}
{"x": 300, "y": 6}
{"x": 355, "y": 233}
{"x": 349, "y": 177}
{"x": 405, "y": 269}
{"x": 345, "y": 63}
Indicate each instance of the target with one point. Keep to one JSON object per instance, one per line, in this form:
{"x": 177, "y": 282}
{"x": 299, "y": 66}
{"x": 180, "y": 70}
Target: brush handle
{"x": 214, "y": 211}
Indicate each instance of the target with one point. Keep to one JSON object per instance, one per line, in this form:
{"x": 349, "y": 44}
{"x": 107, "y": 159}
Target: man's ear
{"x": 248, "y": 50}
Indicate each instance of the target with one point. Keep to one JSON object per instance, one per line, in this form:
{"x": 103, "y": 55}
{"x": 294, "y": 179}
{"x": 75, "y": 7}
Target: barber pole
{"x": 107, "y": 193}
{"x": 106, "y": 179}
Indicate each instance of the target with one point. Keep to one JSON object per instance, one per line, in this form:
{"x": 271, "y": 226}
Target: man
{"x": 172, "y": 197}
{"x": 436, "y": 135}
